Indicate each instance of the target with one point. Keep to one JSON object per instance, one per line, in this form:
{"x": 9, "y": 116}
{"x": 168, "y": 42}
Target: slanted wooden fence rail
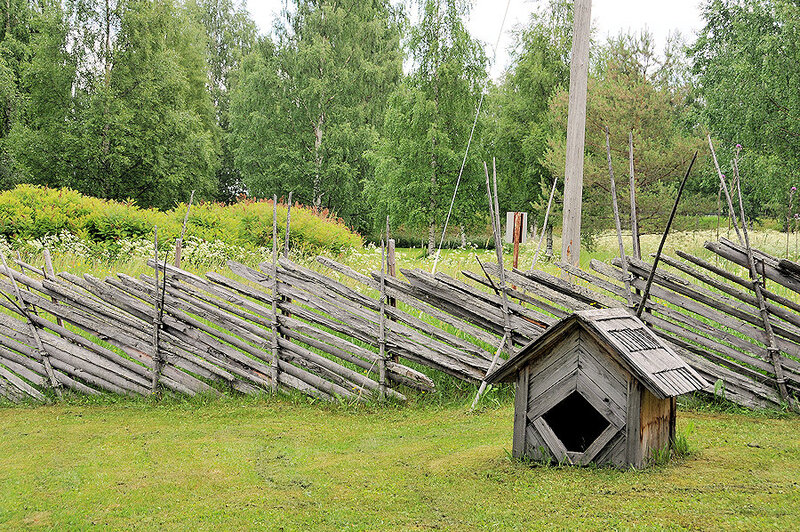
{"x": 219, "y": 333}
{"x": 215, "y": 333}
{"x": 708, "y": 314}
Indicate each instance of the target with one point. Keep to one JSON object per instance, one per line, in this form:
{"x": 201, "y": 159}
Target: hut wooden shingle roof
{"x": 651, "y": 360}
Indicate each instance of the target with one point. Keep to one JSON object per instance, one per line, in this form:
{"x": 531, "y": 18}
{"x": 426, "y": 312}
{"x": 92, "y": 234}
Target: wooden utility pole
{"x": 576, "y": 134}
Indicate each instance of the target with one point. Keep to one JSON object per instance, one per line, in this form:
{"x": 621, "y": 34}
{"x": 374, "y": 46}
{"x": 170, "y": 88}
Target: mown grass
{"x": 287, "y": 464}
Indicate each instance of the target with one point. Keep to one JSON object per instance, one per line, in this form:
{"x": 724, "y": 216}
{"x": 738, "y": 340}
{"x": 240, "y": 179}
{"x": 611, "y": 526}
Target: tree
{"x": 629, "y": 90}
{"x": 267, "y": 149}
{"x": 17, "y": 21}
{"x": 231, "y": 35}
{"x": 747, "y": 63}
{"x": 427, "y": 125}
{"x": 118, "y": 104}
{"x": 307, "y": 106}
{"x": 515, "y": 113}
{"x": 43, "y": 117}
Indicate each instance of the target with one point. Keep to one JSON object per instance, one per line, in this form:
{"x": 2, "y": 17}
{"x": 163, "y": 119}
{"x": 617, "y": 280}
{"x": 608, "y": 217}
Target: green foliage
{"x": 307, "y": 105}
{"x": 427, "y": 127}
{"x": 681, "y": 446}
{"x": 116, "y": 103}
{"x": 747, "y": 63}
{"x": 516, "y": 129}
{"x": 628, "y": 92}
{"x": 231, "y": 35}
{"x": 30, "y": 212}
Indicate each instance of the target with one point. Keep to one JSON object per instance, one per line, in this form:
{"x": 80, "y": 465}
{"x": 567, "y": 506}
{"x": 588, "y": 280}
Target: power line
{"x": 469, "y": 143}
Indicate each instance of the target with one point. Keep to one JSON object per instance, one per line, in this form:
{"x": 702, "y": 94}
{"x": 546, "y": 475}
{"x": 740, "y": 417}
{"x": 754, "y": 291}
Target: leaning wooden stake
{"x": 288, "y": 219}
{"x": 498, "y": 246}
{"x": 652, "y": 275}
{"x": 774, "y": 350}
{"x": 507, "y": 337}
{"x": 20, "y": 305}
{"x": 544, "y": 225}
{"x": 637, "y": 248}
{"x": 725, "y": 189}
{"x": 391, "y": 261}
{"x": 625, "y": 273}
{"x": 482, "y": 387}
{"x": 382, "y": 329}
{"x": 158, "y": 363}
{"x": 179, "y": 242}
{"x": 275, "y": 296}
{"x": 789, "y": 218}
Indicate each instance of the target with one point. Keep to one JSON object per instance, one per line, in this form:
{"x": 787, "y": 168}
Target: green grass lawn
{"x": 287, "y": 464}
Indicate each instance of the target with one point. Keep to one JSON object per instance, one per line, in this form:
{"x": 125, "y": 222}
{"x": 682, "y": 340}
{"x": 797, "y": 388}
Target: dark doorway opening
{"x": 576, "y": 422}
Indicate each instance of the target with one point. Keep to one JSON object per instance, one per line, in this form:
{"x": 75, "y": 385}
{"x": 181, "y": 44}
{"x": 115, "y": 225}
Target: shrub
{"x": 30, "y": 213}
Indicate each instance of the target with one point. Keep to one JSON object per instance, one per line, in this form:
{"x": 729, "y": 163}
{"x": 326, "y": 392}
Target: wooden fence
{"x": 220, "y": 332}
{"x": 293, "y": 327}
{"x": 709, "y": 315}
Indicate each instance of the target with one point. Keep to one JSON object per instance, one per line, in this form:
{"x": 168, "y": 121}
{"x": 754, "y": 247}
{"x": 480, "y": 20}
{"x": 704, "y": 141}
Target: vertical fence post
{"x": 507, "y": 337}
{"x": 179, "y": 241}
{"x": 731, "y": 210}
{"x": 494, "y": 209}
{"x": 637, "y": 248}
{"x": 617, "y": 223}
{"x": 286, "y": 299}
{"x": 382, "y": 331}
{"x": 544, "y": 229}
{"x": 157, "y": 361}
{"x": 391, "y": 269}
{"x": 275, "y": 295}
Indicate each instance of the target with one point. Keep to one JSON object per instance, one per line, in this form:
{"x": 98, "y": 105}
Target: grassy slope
{"x": 240, "y": 463}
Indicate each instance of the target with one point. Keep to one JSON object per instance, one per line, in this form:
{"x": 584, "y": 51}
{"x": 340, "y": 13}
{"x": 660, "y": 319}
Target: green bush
{"x": 30, "y": 212}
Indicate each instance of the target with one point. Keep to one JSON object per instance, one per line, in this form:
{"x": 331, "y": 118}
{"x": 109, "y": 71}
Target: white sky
{"x": 609, "y": 17}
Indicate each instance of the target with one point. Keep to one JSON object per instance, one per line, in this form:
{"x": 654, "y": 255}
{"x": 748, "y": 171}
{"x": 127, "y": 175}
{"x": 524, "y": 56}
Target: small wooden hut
{"x": 597, "y": 386}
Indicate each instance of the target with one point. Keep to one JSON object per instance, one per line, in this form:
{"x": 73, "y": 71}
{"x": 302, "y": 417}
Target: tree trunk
{"x": 317, "y": 192}
{"x": 431, "y": 238}
{"x": 434, "y": 164}
{"x": 463, "y": 236}
{"x": 105, "y": 140}
{"x": 432, "y": 204}
{"x": 549, "y": 250}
